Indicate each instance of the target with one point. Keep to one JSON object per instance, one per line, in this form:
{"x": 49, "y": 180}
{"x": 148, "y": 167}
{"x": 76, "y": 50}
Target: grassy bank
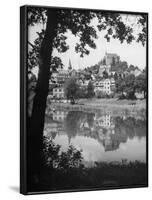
{"x": 110, "y": 106}
{"x": 65, "y": 170}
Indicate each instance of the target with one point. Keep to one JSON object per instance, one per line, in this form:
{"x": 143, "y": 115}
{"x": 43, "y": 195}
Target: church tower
{"x": 70, "y": 66}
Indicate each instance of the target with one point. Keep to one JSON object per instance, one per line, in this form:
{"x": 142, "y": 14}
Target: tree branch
{"x": 31, "y": 44}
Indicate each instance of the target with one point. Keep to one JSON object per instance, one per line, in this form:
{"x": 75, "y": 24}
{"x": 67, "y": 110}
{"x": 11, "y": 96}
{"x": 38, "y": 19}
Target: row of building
{"x": 102, "y": 84}
{"x": 106, "y": 86}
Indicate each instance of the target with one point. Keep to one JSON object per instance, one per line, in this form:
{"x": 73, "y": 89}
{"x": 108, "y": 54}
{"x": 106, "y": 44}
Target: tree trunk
{"x": 36, "y": 123}
{"x": 39, "y": 103}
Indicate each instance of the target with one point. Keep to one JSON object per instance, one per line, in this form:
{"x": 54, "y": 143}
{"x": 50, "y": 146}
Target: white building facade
{"x": 58, "y": 92}
{"x": 105, "y": 86}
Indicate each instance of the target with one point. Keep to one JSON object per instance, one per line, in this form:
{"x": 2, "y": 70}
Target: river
{"x": 100, "y": 137}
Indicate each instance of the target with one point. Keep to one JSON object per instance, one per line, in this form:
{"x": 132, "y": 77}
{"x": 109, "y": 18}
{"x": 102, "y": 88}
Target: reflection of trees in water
{"x": 130, "y": 127}
{"x": 90, "y": 119}
{"x": 109, "y": 130}
{"x": 121, "y": 128}
{"x": 52, "y": 169}
{"x": 73, "y": 122}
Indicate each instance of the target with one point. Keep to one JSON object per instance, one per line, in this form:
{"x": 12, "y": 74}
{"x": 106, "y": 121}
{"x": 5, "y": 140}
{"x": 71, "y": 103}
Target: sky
{"x": 133, "y": 53}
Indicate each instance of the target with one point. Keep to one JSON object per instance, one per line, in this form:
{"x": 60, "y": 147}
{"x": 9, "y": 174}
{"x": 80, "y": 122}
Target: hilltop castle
{"x": 108, "y": 60}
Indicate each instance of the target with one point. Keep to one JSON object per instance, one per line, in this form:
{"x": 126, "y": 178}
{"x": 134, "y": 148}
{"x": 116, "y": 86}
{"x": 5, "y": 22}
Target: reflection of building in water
{"x": 104, "y": 121}
{"x": 107, "y": 130}
{"x": 50, "y": 130}
{"x": 110, "y": 144}
{"x": 59, "y": 115}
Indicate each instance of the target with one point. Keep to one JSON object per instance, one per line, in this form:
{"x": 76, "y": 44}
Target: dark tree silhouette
{"x": 71, "y": 90}
{"x": 90, "y": 90}
{"x": 58, "y": 21}
{"x": 140, "y": 83}
{"x": 105, "y": 74}
{"x": 130, "y": 86}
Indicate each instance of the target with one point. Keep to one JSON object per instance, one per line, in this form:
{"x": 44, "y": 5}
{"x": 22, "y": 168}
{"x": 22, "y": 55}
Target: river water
{"x": 100, "y": 137}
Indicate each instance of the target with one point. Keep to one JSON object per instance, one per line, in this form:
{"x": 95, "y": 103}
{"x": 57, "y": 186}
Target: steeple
{"x": 70, "y": 65}
{"x": 69, "y": 139}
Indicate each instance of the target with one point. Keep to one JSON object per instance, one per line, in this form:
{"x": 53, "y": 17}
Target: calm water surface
{"x": 101, "y": 137}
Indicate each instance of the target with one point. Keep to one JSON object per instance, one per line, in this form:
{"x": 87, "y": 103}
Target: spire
{"x": 70, "y": 65}
{"x": 69, "y": 139}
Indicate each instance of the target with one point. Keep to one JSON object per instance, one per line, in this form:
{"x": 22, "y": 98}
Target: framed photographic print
{"x": 84, "y": 99}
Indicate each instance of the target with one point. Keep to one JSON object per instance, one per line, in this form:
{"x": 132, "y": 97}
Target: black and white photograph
{"x": 85, "y": 99}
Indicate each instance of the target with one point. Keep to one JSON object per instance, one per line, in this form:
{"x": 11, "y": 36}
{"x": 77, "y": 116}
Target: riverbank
{"x": 112, "y": 106}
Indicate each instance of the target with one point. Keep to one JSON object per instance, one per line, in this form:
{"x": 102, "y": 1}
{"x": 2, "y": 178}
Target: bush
{"x": 100, "y": 94}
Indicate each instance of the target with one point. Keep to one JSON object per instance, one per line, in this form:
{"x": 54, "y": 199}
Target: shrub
{"x": 100, "y": 94}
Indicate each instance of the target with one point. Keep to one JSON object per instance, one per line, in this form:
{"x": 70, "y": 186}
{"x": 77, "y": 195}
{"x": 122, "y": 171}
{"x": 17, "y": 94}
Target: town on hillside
{"x": 103, "y": 80}
{"x": 85, "y": 99}
{"x": 109, "y": 78}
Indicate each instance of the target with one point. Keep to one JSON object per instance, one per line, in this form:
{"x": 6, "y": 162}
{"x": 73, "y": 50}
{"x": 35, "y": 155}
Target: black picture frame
{"x": 24, "y": 103}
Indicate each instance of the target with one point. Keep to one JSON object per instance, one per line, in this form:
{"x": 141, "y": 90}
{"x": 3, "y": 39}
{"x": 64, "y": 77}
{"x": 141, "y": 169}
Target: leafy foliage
{"x": 120, "y": 67}
{"x": 130, "y": 84}
{"x": 34, "y": 51}
{"x": 141, "y": 83}
{"x": 90, "y": 90}
{"x": 63, "y": 161}
{"x": 65, "y": 170}
{"x": 142, "y": 36}
{"x": 79, "y": 22}
{"x": 71, "y": 89}
{"x": 36, "y": 15}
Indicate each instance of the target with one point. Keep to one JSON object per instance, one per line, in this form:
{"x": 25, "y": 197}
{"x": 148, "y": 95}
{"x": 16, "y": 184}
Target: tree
{"x": 120, "y": 86}
{"x": 90, "y": 90}
{"x": 100, "y": 94}
{"x": 58, "y": 21}
{"x": 82, "y": 93}
{"x": 141, "y": 83}
{"x": 71, "y": 89}
{"x": 115, "y": 76}
{"x": 121, "y": 66}
{"x": 126, "y": 86}
{"x": 105, "y": 74}
{"x": 130, "y": 86}
{"x": 132, "y": 67}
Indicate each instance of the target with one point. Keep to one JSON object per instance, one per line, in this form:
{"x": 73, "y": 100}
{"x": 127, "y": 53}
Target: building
{"x": 73, "y": 73}
{"x": 62, "y": 76}
{"x": 58, "y": 92}
{"x": 104, "y": 121}
{"x": 50, "y": 129}
{"x": 106, "y": 85}
{"x": 59, "y": 115}
{"x": 107, "y": 62}
{"x": 111, "y": 58}
{"x": 104, "y": 68}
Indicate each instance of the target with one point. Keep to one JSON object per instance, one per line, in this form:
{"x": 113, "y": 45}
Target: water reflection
{"x": 82, "y": 150}
{"x": 100, "y": 137}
